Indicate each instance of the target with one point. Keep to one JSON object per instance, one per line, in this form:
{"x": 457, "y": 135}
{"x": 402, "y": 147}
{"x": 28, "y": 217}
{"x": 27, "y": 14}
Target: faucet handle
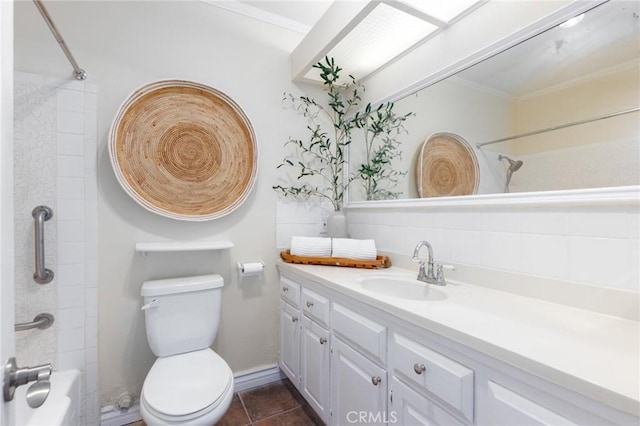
{"x": 440, "y": 273}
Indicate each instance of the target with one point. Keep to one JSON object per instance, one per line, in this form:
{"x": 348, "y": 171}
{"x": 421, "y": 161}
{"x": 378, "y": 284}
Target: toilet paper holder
{"x": 251, "y": 268}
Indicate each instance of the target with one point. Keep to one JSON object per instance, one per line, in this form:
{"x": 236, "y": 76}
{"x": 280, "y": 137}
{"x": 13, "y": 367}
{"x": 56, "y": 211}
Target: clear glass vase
{"x": 337, "y": 224}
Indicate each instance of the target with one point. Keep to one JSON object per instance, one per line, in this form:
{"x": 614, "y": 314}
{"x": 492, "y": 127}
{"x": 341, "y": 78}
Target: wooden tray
{"x": 380, "y": 262}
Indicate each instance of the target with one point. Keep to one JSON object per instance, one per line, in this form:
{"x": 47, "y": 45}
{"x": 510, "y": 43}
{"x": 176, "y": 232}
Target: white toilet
{"x": 189, "y": 384}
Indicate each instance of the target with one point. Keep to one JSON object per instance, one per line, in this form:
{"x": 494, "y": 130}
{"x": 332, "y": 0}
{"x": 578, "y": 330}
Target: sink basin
{"x": 399, "y": 287}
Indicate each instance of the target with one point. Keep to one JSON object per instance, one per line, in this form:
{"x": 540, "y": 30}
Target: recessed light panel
{"x": 383, "y": 34}
{"x": 444, "y": 10}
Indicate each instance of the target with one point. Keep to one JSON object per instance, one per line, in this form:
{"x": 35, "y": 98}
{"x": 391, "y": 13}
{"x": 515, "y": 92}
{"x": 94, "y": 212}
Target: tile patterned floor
{"x": 275, "y": 404}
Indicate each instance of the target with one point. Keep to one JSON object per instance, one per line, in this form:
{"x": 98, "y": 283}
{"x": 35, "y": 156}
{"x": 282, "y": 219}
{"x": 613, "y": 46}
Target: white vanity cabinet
{"x": 506, "y": 408}
{"x": 356, "y": 363}
{"x": 358, "y": 387}
{"x": 358, "y": 368}
{"x": 315, "y": 352}
{"x": 443, "y": 381}
{"x": 289, "y": 341}
{"x": 510, "y": 399}
{"x": 305, "y": 347}
{"x": 408, "y": 407}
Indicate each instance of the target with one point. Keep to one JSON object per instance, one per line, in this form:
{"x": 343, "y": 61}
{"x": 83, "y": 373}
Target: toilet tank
{"x": 182, "y": 314}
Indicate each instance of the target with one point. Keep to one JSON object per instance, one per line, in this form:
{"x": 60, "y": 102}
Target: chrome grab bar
{"x": 41, "y": 214}
{"x": 40, "y": 321}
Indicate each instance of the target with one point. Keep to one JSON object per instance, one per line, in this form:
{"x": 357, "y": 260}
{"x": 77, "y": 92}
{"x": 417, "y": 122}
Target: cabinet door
{"x": 314, "y": 367}
{"x": 358, "y": 388}
{"x": 408, "y": 407}
{"x": 289, "y": 341}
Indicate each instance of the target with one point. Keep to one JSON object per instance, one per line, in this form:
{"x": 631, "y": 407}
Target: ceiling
{"x": 299, "y": 16}
{"x": 608, "y": 37}
{"x": 362, "y": 36}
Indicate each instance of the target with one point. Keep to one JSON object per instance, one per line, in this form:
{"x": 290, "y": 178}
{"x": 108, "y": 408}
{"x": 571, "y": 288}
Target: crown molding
{"x": 261, "y": 15}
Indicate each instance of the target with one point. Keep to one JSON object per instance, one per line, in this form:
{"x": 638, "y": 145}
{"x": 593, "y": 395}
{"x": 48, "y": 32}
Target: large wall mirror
{"x": 557, "y": 111}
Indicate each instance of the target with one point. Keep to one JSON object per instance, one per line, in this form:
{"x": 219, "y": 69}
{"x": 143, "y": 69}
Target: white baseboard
{"x": 118, "y": 418}
{"x": 243, "y": 380}
{"x": 257, "y": 377}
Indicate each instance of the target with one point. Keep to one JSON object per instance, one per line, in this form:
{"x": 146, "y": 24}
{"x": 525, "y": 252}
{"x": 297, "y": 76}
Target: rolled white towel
{"x": 354, "y": 249}
{"x": 311, "y": 246}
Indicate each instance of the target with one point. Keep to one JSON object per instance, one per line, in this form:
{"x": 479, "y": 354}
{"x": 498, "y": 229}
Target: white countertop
{"x": 590, "y": 353}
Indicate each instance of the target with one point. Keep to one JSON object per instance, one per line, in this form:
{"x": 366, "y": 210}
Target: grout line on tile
{"x": 281, "y": 413}
{"x": 244, "y": 408}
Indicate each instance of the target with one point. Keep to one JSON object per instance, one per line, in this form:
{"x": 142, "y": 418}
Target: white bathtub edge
{"x": 65, "y": 391}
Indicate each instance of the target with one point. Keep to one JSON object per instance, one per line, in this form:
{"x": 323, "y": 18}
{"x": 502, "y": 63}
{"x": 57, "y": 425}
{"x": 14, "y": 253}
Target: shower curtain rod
{"x": 78, "y": 72}
{"x": 561, "y": 126}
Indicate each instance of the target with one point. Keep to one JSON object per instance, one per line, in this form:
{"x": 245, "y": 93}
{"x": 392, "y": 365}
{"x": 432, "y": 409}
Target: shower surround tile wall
{"x": 34, "y": 185}
{"x": 55, "y": 165}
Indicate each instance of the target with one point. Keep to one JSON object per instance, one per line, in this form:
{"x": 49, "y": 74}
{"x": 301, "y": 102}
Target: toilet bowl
{"x": 189, "y": 384}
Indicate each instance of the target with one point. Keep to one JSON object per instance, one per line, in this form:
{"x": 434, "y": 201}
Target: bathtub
{"x": 61, "y": 406}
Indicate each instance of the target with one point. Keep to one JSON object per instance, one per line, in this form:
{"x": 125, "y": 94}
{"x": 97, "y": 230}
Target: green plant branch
{"x": 322, "y": 156}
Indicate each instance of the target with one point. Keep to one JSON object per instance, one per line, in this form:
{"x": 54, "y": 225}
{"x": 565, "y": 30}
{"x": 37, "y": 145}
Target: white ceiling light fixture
{"x": 443, "y": 10}
{"x": 377, "y": 39}
{"x": 572, "y": 22}
{"x": 363, "y": 36}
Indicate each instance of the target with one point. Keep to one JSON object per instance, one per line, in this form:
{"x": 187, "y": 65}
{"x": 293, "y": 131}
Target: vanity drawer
{"x": 290, "y": 291}
{"x": 507, "y": 408}
{"x": 369, "y": 336}
{"x": 448, "y": 380}
{"x": 315, "y": 307}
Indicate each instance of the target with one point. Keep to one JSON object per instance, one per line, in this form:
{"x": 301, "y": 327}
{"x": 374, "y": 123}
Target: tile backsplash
{"x": 592, "y": 245}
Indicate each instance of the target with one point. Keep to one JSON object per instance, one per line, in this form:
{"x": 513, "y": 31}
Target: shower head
{"x": 513, "y": 165}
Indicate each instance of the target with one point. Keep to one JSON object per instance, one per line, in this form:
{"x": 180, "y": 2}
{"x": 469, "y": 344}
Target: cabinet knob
{"x": 309, "y": 303}
{"x": 323, "y": 340}
{"x": 376, "y": 380}
{"x": 419, "y": 368}
{"x": 294, "y": 319}
{"x": 285, "y": 289}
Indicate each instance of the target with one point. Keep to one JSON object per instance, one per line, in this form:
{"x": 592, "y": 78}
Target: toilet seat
{"x": 186, "y": 386}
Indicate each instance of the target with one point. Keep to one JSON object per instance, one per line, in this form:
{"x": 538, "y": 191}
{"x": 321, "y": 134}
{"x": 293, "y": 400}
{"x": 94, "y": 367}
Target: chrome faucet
{"x": 428, "y": 276}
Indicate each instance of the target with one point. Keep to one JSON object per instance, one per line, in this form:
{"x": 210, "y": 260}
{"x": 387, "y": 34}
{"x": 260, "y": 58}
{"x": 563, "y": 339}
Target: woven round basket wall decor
{"x": 183, "y": 150}
{"x": 446, "y": 166}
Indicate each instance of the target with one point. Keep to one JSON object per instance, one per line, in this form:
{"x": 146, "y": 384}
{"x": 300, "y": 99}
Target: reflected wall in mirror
{"x": 565, "y": 75}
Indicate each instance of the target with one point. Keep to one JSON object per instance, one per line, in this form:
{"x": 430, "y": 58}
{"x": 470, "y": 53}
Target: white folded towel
{"x": 311, "y": 246}
{"x": 354, "y": 249}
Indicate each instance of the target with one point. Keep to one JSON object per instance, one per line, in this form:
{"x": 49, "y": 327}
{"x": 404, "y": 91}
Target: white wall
{"x": 299, "y": 219}
{"x": 55, "y": 165}
{"x": 124, "y": 45}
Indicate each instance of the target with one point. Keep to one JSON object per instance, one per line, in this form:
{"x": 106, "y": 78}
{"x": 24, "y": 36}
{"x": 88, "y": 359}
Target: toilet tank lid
{"x": 181, "y": 285}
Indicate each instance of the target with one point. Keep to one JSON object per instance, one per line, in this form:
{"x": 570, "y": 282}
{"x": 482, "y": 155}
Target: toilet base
{"x": 207, "y": 419}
